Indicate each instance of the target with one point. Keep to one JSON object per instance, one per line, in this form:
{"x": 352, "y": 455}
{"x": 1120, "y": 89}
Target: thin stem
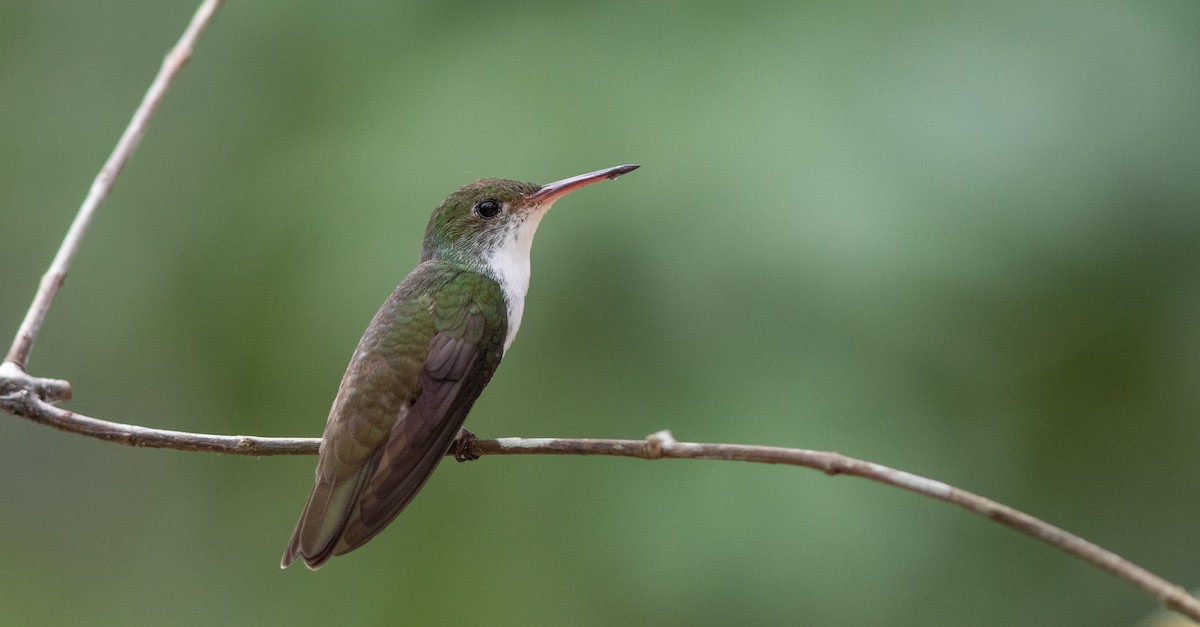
{"x": 174, "y": 62}
{"x": 24, "y": 401}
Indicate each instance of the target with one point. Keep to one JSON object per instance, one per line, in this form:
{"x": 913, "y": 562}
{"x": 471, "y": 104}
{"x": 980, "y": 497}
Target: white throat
{"x": 509, "y": 265}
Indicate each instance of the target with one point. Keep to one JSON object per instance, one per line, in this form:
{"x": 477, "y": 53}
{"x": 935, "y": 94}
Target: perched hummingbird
{"x": 423, "y": 361}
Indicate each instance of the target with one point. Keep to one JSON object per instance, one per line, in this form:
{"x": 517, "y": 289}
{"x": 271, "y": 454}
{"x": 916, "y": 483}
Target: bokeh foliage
{"x": 961, "y": 239}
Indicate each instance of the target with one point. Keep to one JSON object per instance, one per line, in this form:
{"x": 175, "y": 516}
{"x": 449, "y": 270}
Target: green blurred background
{"x": 960, "y": 239}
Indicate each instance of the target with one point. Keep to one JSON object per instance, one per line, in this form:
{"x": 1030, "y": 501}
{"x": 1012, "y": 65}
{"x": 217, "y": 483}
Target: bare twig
{"x": 175, "y": 60}
{"x": 28, "y": 403}
{"x": 656, "y": 446}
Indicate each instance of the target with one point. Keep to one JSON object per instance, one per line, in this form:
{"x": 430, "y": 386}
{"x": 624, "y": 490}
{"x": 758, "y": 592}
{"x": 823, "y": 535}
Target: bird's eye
{"x": 487, "y": 208}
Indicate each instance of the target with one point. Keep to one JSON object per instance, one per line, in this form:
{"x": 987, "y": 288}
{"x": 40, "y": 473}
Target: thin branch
{"x": 26, "y": 403}
{"x": 19, "y": 395}
{"x": 174, "y": 62}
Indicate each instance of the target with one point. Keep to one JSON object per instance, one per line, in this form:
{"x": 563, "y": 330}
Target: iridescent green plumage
{"x": 426, "y": 356}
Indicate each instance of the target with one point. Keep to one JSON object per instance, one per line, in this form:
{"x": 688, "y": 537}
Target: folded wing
{"x": 392, "y": 424}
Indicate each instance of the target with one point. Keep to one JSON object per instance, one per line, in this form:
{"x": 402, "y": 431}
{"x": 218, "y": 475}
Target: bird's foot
{"x": 462, "y": 446}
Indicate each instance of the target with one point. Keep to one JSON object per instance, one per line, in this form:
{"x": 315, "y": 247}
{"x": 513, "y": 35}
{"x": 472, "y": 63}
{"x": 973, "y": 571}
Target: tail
{"x": 342, "y": 515}
{"x": 324, "y": 519}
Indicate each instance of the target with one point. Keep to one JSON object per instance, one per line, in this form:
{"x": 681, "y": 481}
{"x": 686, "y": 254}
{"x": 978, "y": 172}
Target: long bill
{"x": 553, "y": 191}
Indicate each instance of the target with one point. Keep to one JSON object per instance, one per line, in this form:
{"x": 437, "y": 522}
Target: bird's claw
{"x": 462, "y": 446}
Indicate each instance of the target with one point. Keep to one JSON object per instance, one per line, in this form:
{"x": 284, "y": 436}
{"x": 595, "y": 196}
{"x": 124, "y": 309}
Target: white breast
{"x": 509, "y": 264}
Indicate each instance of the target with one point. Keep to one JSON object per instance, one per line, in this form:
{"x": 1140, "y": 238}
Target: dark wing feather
{"x": 391, "y": 425}
{"x": 420, "y": 441}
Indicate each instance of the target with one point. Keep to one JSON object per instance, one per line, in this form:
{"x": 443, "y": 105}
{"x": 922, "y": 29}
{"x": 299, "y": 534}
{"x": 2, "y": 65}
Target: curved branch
{"x": 22, "y": 400}
{"x": 174, "y": 62}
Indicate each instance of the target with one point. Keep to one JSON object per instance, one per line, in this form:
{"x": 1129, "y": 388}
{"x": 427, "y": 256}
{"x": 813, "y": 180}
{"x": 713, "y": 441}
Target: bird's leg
{"x": 461, "y": 446}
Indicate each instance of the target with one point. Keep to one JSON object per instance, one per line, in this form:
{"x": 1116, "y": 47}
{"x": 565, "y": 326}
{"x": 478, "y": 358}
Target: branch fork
{"x": 15, "y": 383}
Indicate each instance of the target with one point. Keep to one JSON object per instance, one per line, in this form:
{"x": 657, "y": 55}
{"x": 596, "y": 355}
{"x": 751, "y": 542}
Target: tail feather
{"x": 324, "y": 519}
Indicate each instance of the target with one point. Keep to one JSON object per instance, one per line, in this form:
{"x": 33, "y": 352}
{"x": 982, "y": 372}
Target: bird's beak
{"x": 553, "y": 191}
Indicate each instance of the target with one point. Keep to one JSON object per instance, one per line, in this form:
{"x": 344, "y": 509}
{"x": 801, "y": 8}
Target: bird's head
{"x": 495, "y": 219}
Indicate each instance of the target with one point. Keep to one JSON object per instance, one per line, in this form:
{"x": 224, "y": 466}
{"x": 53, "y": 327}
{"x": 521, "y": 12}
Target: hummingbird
{"x": 424, "y": 359}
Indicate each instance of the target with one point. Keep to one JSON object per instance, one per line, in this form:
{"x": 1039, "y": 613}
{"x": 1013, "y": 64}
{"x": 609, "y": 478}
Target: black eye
{"x": 487, "y": 208}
